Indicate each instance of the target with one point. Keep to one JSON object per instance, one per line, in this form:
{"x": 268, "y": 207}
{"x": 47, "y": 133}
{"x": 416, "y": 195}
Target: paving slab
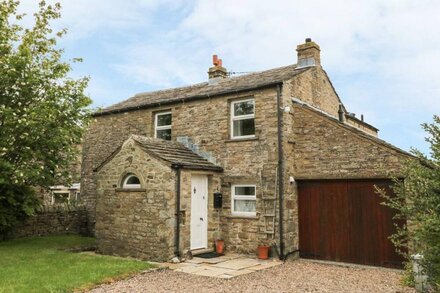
{"x": 238, "y": 264}
{"x": 236, "y": 273}
{"x": 225, "y": 267}
{"x": 189, "y": 270}
{"x": 212, "y": 272}
{"x": 225, "y": 276}
{"x": 196, "y": 260}
{"x": 215, "y": 260}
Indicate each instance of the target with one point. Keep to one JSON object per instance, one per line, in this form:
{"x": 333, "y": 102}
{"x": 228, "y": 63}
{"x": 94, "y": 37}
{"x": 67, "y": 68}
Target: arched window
{"x": 131, "y": 181}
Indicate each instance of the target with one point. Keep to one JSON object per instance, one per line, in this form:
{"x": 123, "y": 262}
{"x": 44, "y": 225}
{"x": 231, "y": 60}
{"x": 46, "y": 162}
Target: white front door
{"x": 199, "y": 211}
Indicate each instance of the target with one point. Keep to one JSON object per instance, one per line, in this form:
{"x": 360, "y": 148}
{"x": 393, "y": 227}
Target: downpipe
{"x": 177, "y": 235}
{"x": 280, "y": 171}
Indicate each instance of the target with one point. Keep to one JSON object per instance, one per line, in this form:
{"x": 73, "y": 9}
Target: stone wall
{"x": 46, "y": 223}
{"x": 315, "y": 88}
{"x": 138, "y": 223}
{"x": 360, "y": 125}
{"x": 324, "y": 148}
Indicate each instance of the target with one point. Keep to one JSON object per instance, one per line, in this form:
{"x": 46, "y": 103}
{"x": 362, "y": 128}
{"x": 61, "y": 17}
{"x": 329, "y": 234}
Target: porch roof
{"x": 175, "y": 153}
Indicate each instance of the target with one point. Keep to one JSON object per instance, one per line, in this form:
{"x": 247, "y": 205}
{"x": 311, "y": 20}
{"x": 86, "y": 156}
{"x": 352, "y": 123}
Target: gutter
{"x": 177, "y": 235}
{"x": 280, "y": 170}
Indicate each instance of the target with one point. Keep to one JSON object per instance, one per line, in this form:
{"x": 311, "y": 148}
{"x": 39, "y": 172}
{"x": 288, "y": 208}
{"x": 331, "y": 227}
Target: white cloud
{"x": 382, "y": 54}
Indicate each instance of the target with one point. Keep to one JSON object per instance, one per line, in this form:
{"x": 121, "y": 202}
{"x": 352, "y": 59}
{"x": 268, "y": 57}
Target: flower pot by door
{"x": 219, "y": 246}
{"x": 263, "y": 252}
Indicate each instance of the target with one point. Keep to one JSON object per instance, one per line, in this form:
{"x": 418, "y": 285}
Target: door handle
{"x": 201, "y": 219}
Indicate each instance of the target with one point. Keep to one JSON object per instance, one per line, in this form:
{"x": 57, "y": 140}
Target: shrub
{"x": 418, "y": 201}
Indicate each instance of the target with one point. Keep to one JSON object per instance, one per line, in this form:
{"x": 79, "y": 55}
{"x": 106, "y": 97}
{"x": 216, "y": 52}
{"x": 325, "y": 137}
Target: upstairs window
{"x": 243, "y": 119}
{"x": 162, "y": 125}
{"x": 131, "y": 181}
{"x": 244, "y": 200}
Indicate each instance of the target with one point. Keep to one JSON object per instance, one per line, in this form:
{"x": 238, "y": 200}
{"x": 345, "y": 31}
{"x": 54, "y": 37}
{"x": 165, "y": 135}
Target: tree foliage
{"x": 43, "y": 112}
{"x": 417, "y": 200}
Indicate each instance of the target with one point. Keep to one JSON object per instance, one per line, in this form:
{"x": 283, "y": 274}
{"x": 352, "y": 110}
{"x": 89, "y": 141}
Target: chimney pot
{"x": 341, "y": 113}
{"x": 308, "y": 40}
{"x": 217, "y": 71}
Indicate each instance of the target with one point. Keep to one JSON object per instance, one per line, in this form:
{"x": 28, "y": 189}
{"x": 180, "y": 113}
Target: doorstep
{"x": 225, "y": 267}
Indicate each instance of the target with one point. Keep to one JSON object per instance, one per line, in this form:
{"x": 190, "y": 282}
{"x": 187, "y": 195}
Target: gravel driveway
{"x": 297, "y": 276}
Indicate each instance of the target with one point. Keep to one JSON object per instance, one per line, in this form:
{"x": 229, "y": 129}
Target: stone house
{"x": 268, "y": 158}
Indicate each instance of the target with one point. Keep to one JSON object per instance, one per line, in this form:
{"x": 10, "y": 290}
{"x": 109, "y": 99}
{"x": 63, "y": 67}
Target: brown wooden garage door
{"x": 343, "y": 220}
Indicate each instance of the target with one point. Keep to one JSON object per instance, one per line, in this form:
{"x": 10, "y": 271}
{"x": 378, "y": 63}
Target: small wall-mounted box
{"x": 218, "y": 200}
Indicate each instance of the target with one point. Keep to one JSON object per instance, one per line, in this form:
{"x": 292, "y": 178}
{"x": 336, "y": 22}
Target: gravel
{"x": 296, "y": 276}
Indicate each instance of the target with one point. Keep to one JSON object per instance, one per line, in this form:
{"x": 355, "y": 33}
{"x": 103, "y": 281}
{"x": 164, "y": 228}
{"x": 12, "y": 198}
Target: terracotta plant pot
{"x": 219, "y": 246}
{"x": 263, "y": 252}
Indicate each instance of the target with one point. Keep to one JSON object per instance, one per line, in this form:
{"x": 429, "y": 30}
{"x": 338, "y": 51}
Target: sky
{"x": 382, "y": 56}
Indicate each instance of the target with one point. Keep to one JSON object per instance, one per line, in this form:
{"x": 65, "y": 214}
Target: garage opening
{"x": 344, "y": 221}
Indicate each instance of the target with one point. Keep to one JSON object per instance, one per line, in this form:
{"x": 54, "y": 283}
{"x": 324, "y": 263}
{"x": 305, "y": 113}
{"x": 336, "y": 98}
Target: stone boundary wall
{"x": 46, "y": 223}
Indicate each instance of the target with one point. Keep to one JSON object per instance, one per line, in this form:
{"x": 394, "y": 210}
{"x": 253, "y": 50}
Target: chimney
{"x": 217, "y": 71}
{"x": 308, "y": 54}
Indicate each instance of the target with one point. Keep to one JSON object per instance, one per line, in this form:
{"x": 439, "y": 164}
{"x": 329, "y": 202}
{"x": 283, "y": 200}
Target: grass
{"x": 42, "y": 265}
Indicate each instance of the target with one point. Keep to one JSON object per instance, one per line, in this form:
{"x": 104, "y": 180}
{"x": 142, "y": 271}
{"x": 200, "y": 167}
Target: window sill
{"x": 242, "y": 139}
{"x": 130, "y": 189}
{"x": 243, "y": 217}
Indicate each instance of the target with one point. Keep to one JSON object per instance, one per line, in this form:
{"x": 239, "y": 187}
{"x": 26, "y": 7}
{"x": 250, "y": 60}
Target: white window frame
{"x": 164, "y": 127}
{"x": 243, "y": 197}
{"x": 130, "y": 186}
{"x": 241, "y": 117}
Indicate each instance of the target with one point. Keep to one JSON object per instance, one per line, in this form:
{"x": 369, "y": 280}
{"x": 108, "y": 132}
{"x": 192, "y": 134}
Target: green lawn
{"x": 42, "y": 265}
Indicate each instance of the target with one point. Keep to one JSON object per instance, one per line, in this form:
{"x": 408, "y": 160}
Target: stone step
{"x": 198, "y": 251}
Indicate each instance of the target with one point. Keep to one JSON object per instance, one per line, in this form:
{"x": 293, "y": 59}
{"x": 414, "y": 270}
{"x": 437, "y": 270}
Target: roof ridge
{"x": 220, "y": 80}
{"x": 242, "y": 83}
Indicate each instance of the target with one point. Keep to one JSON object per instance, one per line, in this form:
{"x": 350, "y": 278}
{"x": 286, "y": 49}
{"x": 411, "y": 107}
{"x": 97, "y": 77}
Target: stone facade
{"x": 315, "y": 145}
{"x": 353, "y": 121}
{"x": 249, "y": 161}
{"x": 138, "y": 223}
{"x": 325, "y": 148}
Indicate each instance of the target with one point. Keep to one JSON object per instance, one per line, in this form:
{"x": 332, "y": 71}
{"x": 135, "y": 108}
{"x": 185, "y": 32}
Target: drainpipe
{"x": 177, "y": 235}
{"x": 280, "y": 169}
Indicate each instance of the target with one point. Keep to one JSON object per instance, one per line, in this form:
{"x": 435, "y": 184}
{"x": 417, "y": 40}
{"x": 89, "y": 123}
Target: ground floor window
{"x": 60, "y": 197}
{"x": 131, "y": 181}
{"x": 244, "y": 200}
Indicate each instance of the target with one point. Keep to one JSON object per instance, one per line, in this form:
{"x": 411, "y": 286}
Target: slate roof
{"x": 205, "y": 89}
{"x": 174, "y": 153}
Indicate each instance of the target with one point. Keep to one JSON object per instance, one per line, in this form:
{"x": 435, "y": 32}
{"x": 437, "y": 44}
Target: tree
{"x": 43, "y": 112}
{"x": 417, "y": 199}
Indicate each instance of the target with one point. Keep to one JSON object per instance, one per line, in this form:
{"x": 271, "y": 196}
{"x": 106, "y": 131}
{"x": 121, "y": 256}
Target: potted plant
{"x": 263, "y": 251}
{"x": 219, "y": 246}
